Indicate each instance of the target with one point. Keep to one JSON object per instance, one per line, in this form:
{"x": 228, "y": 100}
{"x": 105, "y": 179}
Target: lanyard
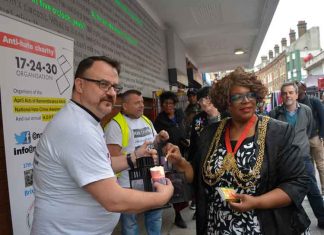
{"x": 241, "y": 139}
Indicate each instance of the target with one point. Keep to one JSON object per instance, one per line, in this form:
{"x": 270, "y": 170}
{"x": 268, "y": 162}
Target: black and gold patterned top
{"x": 220, "y": 218}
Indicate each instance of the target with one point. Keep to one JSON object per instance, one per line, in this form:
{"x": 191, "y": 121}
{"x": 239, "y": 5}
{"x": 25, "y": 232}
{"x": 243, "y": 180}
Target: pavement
{"x": 169, "y": 228}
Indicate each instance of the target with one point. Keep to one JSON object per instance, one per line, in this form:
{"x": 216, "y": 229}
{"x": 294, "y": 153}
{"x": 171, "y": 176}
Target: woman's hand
{"x": 173, "y": 154}
{"x": 275, "y": 198}
{"x": 246, "y": 203}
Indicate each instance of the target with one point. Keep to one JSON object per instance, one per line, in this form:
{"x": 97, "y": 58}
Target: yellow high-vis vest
{"x": 121, "y": 120}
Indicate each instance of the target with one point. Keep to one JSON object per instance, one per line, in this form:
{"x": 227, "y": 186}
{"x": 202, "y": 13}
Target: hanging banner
{"x": 36, "y": 81}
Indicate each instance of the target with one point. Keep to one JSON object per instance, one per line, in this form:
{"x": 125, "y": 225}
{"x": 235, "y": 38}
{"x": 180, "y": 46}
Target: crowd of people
{"x": 223, "y": 140}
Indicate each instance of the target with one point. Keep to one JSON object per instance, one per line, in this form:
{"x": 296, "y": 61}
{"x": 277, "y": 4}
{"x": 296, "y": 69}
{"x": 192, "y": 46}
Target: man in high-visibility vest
{"x": 128, "y": 130}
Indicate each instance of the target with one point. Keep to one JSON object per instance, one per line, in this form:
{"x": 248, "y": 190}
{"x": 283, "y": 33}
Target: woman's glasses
{"x": 166, "y": 103}
{"x": 239, "y": 98}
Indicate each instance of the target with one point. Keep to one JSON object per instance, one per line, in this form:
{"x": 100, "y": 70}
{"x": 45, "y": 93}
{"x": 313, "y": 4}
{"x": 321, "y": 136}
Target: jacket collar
{"x": 282, "y": 108}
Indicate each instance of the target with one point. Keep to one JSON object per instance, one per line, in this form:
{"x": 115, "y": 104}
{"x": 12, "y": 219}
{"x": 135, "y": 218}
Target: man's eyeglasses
{"x": 239, "y": 98}
{"x": 105, "y": 85}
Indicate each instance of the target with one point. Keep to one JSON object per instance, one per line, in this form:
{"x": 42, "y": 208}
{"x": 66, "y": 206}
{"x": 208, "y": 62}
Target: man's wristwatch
{"x": 129, "y": 161}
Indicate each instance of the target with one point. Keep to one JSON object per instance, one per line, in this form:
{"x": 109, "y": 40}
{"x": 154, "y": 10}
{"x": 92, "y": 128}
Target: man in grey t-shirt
{"x": 128, "y": 130}
{"x": 76, "y": 191}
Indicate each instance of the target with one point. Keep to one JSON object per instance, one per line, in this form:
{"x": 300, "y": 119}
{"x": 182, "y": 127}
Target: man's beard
{"x": 289, "y": 102}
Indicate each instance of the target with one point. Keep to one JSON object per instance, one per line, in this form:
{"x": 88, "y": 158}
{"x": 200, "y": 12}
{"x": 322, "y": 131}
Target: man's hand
{"x": 166, "y": 190}
{"x": 145, "y": 151}
{"x": 163, "y": 136}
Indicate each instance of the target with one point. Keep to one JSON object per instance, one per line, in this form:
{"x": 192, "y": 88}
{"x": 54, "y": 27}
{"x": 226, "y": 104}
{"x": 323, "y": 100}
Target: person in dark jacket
{"x": 172, "y": 120}
{"x": 191, "y": 110}
{"x": 193, "y": 107}
{"x": 254, "y": 155}
{"x": 317, "y": 134}
{"x": 207, "y": 116}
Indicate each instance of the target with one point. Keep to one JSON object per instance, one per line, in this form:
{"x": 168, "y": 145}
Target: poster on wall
{"x": 36, "y": 81}
{"x": 120, "y": 29}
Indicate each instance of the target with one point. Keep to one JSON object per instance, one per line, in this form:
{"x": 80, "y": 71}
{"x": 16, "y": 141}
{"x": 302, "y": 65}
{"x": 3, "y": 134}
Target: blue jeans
{"x": 314, "y": 196}
{"x": 153, "y": 223}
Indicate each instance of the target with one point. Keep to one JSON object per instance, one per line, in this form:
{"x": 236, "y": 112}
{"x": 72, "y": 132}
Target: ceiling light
{"x": 239, "y": 51}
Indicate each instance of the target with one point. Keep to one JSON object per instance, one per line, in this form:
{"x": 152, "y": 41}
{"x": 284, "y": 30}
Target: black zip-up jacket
{"x": 318, "y": 114}
{"x": 176, "y": 130}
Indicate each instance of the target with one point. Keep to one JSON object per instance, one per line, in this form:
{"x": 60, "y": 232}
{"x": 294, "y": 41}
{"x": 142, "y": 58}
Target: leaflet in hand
{"x": 227, "y": 194}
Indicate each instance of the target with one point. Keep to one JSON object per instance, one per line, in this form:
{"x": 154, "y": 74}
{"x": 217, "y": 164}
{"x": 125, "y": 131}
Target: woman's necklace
{"x": 229, "y": 162}
{"x": 211, "y": 177}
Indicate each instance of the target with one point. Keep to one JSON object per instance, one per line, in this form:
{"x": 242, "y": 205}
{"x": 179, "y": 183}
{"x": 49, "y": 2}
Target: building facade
{"x": 315, "y": 73}
{"x": 274, "y": 73}
{"x": 289, "y": 65}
